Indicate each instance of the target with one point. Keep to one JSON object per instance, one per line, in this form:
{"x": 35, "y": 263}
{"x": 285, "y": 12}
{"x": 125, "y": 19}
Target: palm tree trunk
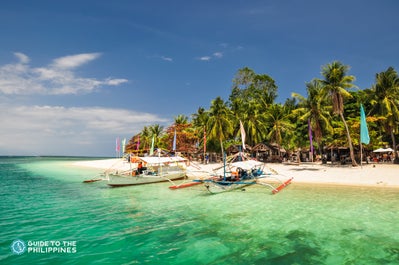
{"x": 221, "y": 146}
{"x": 320, "y": 147}
{"x": 352, "y": 154}
{"x": 395, "y": 157}
{"x": 298, "y": 156}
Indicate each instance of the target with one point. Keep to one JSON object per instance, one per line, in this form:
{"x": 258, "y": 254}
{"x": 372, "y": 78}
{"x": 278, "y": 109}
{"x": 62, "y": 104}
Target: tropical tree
{"x": 385, "y": 102}
{"x": 144, "y": 137}
{"x": 181, "y": 119}
{"x": 277, "y": 120}
{"x": 140, "y": 141}
{"x": 335, "y": 85}
{"x": 199, "y": 121}
{"x": 249, "y": 86}
{"x": 181, "y": 135}
{"x": 253, "y": 122}
{"x": 219, "y": 125}
{"x": 156, "y": 131}
{"x": 251, "y": 94}
{"x": 314, "y": 109}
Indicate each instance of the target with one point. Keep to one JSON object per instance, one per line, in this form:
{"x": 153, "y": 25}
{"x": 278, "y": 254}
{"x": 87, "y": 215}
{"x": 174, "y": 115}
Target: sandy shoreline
{"x": 378, "y": 175}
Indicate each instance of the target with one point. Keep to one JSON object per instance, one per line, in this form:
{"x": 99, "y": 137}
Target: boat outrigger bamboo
{"x": 184, "y": 185}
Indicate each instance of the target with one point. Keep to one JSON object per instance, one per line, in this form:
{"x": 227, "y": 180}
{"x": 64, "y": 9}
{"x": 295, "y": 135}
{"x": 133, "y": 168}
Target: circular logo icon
{"x": 18, "y": 247}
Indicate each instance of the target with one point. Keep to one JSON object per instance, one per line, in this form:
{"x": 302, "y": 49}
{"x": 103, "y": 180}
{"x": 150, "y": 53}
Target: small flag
{"x": 152, "y": 145}
{"x": 123, "y": 145}
{"x": 174, "y": 142}
{"x": 310, "y": 136}
{"x": 117, "y": 145}
{"x": 242, "y": 135}
{"x": 364, "y": 132}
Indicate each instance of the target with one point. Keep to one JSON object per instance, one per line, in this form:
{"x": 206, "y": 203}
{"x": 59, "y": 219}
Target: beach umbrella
{"x": 388, "y": 150}
{"x": 379, "y": 150}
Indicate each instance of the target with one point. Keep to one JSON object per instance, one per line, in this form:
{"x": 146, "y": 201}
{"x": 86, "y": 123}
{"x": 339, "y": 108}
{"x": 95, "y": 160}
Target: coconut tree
{"x": 250, "y": 113}
{"x": 251, "y": 94}
{"x": 314, "y": 108}
{"x": 385, "y": 102}
{"x": 157, "y": 132}
{"x": 276, "y": 118}
{"x": 200, "y": 118}
{"x": 181, "y": 119}
{"x": 335, "y": 85}
{"x": 253, "y": 121}
{"x": 219, "y": 125}
{"x": 199, "y": 121}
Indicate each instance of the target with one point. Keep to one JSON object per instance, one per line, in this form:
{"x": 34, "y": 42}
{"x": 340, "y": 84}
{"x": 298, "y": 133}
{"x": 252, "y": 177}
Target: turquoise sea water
{"x": 44, "y": 200}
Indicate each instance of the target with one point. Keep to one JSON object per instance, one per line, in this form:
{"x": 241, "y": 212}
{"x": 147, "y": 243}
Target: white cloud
{"x": 57, "y": 78}
{"x": 115, "y": 82}
{"x": 218, "y": 54}
{"x": 73, "y": 61}
{"x": 205, "y": 58}
{"x": 22, "y": 57}
{"x": 57, "y": 130}
{"x": 168, "y": 59}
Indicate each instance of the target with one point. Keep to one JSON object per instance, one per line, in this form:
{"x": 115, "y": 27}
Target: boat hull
{"x": 223, "y": 186}
{"x": 126, "y": 180}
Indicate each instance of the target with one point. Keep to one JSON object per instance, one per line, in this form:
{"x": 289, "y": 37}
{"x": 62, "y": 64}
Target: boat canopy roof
{"x": 247, "y": 165}
{"x": 162, "y": 159}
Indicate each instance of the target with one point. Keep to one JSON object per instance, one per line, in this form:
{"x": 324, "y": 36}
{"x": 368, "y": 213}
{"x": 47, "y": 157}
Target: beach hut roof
{"x": 237, "y": 148}
{"x": 261, "y": 147}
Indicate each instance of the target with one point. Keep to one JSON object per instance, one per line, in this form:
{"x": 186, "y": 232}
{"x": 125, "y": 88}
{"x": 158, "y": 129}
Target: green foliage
{"x": 252, "y": 101}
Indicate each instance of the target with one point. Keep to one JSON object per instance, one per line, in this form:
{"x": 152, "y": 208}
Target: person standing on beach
{"x": 140, "y": 168}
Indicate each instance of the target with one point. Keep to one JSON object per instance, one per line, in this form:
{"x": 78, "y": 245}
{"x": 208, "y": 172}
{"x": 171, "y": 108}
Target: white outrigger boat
{"x": 153, "y": 170}
{"x": 242, "y": 174}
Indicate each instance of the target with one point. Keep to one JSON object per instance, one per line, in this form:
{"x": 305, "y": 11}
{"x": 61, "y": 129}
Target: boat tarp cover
{"x": 162, "y": 160}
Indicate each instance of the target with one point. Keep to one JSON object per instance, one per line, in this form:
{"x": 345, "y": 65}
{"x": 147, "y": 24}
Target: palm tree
{"x": 385, "y": 102}
{"x": 219, "y": 124}
{"x": 156, "y": 131}
{"x": 253, "y": 121}
{"x": 145, "y": 136}
{"x": 200, "y": 119}
{"x": 181, "y": 119}
{"x": 277, "y": 120}
{"x": 335, "y": 85}
{"x": 313, "y": 108}
{"x": 251, "y": 94}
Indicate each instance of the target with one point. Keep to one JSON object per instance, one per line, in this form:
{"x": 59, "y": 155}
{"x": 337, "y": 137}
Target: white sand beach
{"x": 379, "y": 174}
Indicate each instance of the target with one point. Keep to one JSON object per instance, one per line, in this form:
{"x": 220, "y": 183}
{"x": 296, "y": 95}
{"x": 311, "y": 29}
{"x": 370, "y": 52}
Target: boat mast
{"x": 224, "y": 166}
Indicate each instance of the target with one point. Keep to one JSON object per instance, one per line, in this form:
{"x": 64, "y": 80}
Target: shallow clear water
{"x": 44, "y": 199}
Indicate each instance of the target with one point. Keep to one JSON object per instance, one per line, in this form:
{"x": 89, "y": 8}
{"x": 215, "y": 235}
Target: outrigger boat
{"x": 236, "y": 180}
{"x": 246, "y": 173}
{"x": 153, "y": 170}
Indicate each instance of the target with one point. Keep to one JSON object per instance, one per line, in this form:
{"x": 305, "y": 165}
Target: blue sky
{"x": 74, "y": 75}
